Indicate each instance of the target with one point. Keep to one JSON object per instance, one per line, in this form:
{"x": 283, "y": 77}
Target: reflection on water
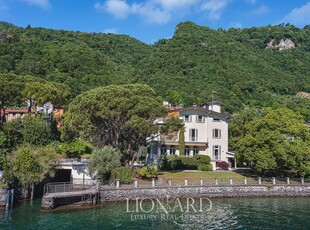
{"x": 228, "y": 213}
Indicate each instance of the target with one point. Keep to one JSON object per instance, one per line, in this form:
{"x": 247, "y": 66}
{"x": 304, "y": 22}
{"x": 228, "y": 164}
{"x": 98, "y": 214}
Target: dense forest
{"x": 234, "y": 65}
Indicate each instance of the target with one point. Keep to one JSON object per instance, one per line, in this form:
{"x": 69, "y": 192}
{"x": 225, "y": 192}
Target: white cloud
{"x": 150, "y": 13}
{"x": 299, "y": 16}
{"x": 162, "y": 11}
{"x": 41, "y": 3}
{"x": 214, "y": 8}
{"x": 110, "y": 31}
{"x": 175, "y": 4}
{"x": 119, "y": 8}
{"x": 236, "y": 25}
{"x": 259, "y": 11}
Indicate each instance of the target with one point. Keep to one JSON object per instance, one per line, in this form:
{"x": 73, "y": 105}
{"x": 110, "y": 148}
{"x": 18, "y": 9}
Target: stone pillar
{"x": 302, "y": 181}
{"x": 169, "y": 182}
{"x": 185, "y": 181}
{"x": 287, "y": 180}
{"x": 259, "y": 180}
{"x": 97, "y": 186}
{"x": 230, "y": 181}
{"x": 153, "y": 182}
{"x": 201, "y": 181}
{"x": 216, "y": 181}
{"x": 136, "y": 183}
{"x": 245, "y": 180}
{"x": 117, "y": 183}
{"x": 273, "y": 180}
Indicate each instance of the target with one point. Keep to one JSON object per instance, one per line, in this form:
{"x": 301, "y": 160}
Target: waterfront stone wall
{"x": 121, "y": 194}
{"x": 109, "y": 194}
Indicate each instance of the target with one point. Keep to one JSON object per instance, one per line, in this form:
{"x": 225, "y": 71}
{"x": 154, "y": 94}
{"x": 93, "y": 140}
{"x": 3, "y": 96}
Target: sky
{"x": 150, "y": 20}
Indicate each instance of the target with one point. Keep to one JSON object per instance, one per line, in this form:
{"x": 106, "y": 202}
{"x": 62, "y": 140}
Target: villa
{"x": 206, "y": 133}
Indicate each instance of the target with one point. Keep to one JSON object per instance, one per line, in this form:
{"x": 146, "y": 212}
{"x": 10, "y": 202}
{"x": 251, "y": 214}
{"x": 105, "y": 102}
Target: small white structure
{"x": 206, "y": 133}
{"x": 79, "y": 172}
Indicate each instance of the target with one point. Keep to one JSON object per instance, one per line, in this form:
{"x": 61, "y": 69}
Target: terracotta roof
{"x": 16, "y": 111}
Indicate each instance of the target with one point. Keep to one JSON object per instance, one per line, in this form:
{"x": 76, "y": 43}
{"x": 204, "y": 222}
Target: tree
{"x": 182, "y": 141}
{"x": 120, "y": 116}
{"x": 16, "y": 89}
{"x": 13, "y": 132}
{"x": 29, "y": 165}
{"x": 278, "y": 141}
{"x": 75, "y": 148}
{"x": 103, "y": 161}
{"x": 123, "y": 174}
{"x": 36, "y": 131}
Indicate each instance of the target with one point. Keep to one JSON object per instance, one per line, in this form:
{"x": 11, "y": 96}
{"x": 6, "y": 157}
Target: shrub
{"x": 76, "y": 148}
{"x": 148, "y": 172}
{"x": 188, "y": 163}
{"x": 178, "y": 163}
{"x": 164, "y": 163}
{"x": 205, "y": 167}
{"x": 175, "y": 163}
{"x": 103, "y": 161}
{"x": 202, "y": 159}
{"x": 123, "y": 174}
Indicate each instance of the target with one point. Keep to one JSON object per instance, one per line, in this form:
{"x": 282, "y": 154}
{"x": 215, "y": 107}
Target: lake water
{"x": 227, "y": 213}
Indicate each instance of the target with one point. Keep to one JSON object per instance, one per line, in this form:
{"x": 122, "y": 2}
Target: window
{"x": 163, "y": 150}
{"x": 216, "y": 152}
{"x": 193, "y": 135}
{"x": 195, "y": 150}
{"x": 187, "y": 118}
{"x": 172, "y": 150}
{"x": 216, "y": 133}
{"x": 200, "y": 118}
{"x": 216, "y": 119}
{"x": 186, "y": 151}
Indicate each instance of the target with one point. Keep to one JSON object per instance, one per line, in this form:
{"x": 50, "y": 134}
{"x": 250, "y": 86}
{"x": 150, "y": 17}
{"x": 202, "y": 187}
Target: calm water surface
{"x": 228, "y": 213}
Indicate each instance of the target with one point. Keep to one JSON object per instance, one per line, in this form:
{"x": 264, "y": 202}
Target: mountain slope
{"x": 235, "y": 66}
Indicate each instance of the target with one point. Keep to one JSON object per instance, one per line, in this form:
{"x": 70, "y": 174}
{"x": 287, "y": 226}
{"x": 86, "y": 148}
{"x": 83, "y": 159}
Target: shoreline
{"x": 104, "y": 195}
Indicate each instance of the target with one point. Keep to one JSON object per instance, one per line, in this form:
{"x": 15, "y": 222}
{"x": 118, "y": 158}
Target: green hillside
{"x": 185, "y": 69}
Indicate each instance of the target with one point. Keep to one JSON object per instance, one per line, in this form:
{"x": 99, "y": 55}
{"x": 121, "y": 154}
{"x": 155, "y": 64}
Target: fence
{"x": 207, "y": 182}
{"x": 58, "y": 187}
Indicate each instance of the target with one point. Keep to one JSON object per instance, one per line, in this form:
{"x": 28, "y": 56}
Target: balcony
{"x": 161, "y": 121}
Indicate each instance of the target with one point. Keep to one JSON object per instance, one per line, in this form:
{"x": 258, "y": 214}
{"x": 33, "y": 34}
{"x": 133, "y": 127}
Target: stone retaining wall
{"x": 121, "y": 194}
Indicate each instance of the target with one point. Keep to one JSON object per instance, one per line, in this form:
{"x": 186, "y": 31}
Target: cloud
{"x": 299, "y": 16}
{"x": 152, "y": 11}
{"x": 175, "y": 4}
{"x": 214, "y": 8}
{"x": 236, "y": 25}
{"x": 151, "y": 14}
{"x": 119, "y": 8}
{"x": 259, "y": 11}
{"x": 44, "y": 4}
{"x": 110, "y": 31}
{"x": 161, "y": 11}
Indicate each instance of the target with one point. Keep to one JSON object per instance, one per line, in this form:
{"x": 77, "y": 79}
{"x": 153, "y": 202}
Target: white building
{"x": 206, "y": 133}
